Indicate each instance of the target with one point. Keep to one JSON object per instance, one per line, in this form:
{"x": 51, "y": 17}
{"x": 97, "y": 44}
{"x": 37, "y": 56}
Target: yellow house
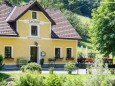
{"x": 31, "y": 32}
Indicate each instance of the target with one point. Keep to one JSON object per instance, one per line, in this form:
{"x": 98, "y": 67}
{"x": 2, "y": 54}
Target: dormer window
{"x": 34, "y": 15}
{"x": 34, "y": 31}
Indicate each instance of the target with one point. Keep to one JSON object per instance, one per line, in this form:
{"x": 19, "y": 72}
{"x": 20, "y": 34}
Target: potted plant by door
{"x": 42, "y": 61}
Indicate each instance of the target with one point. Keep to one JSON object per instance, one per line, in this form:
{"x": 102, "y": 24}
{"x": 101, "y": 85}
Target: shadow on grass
{"x": 3, "y": 76}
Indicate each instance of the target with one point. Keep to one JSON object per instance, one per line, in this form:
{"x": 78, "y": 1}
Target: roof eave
{"x": 67, "y": 38}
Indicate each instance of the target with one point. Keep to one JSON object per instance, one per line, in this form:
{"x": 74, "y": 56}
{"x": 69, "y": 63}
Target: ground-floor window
{"x": 8, "y": 52}
{"x": 57, "y": 52}
{"x": 69, "y": 52}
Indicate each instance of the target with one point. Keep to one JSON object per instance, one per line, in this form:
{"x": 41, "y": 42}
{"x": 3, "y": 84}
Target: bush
{"x": 1, "y": 59}
{"x": 42, "y": 61}
{"x": 1, "y": 62}
{"x": 96, "y": 73}
{"x": 55, "y": 80}
{"x": 29, "y": 79}
{"x": 3, "y": 83}
{"x": 111, "y": 81}
{"x": 73, "y": 82}
{"x": 32, "y": 67}
{"x": 51, "y": 69}
{"x": 69, "y": 67}
{"x": 106, "y": 83}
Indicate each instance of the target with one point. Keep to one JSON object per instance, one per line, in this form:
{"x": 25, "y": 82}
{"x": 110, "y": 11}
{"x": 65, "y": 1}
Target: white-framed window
{"x": 69, "y": 52}
{"x": 58, "y": 52}
{"x": 34, "y": 14}
{"x": 8, "y": 51}
{"x": 34, "y": 30}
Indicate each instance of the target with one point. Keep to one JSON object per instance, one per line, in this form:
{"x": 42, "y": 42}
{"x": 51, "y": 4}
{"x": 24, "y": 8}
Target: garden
{"x": 98, "y": 74}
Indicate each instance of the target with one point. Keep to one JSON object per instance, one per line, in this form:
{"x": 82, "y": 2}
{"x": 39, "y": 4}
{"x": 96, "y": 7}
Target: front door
{"x": 33, "y": 54}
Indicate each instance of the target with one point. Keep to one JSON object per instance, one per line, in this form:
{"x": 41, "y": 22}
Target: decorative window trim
{"x": 11, "y": 50}
{"x": 38, "y": 31}
{"x": 71, "y": 51}
{"x": 36, "y": 15}
{"x": 60, "y": 51}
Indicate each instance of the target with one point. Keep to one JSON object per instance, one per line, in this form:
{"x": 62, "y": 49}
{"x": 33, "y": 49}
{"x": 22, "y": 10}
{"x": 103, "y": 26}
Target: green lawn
{"x": 4, "y": 76}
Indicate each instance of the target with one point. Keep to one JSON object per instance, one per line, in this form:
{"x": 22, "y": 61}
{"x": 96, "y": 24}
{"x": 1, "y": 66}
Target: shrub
{"x": 29, "y": 79}
{"x": 73, "y": 82}
{"x": 51, "y": 69}
{"x": 1, "y": 59}
{"x": 54, "y": 80}
{"x": 3, "y": 83}
{"x": 106, "y": 83}
{"x": 42, "y": 61}
{"x": 80, "y": 55}
{"x": 1, "y": 62}
{"x": 111, "y": 81}
{"x": 32, "y": 67}
{"x": 96, "y": 73}
{"x": 69, "y": 67}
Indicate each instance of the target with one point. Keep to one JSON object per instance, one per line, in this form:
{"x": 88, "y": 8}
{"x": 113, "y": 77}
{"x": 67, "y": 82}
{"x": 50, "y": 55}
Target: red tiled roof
{"x": 18, "y": 11}
{"x": 63, "y": 29}
{"x": 5, "y": 28}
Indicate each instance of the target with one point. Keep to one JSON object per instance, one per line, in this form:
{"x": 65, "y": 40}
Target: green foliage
{"x": 51, "y": 69}
{"x": 80, "y": 55}
{"x": 106, "y": 83}
{"x": 35, "y": 79}
{"x": 103, "y": 28}
{"x": 73, "y": 82}
{"x": 3, "y": 83}
{"x": 54, "y": 80}
{"x": 69, "y": 67}
{"x": 1, "y": 62}
{"x": 1, "y": 59}
{"x": 96, "y": 73}
{"x": 29, "y": 79}
{"x": 32, "y": 67}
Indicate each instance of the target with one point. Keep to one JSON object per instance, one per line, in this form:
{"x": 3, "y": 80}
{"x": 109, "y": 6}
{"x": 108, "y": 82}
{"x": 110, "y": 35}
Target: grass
{"x": 4, "y": 76}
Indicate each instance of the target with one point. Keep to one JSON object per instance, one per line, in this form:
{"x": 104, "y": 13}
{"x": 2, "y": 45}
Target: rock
{"x": 9, "y": 79}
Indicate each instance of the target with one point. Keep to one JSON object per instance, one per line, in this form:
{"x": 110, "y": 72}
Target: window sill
{"x": 71, "y": 58}
{"x": 8, "y": 58}
{"x": 59, "y": 58}
{"x": 33, "y": 37}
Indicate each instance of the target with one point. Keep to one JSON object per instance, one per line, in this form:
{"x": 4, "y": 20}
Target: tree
{"x": 102, "y": 30}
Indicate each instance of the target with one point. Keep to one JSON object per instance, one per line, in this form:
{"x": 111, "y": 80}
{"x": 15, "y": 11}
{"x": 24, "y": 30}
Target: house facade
{"x": 31, "y": 32}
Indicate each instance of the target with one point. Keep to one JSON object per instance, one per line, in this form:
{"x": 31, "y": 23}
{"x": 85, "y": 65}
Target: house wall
{"x": 24, "y": 28}
{"x": 21, "y": 48}
{"x": 21, "y": 44}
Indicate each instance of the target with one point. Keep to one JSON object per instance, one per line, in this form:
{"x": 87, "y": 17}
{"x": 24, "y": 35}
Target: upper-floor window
{"x": 34, "y": 15}
{"x": 8, "y": 52}
{"x": 34, "y": 31}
